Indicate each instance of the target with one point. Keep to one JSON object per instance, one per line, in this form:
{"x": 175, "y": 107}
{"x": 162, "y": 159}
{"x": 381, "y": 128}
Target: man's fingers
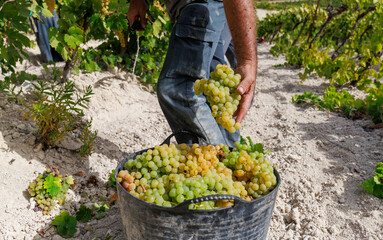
{"x": 244, "y": 106}
{"x": 244, "y": 87}
{"x": 246, "y": 90}
{"x": 131, "y": 20}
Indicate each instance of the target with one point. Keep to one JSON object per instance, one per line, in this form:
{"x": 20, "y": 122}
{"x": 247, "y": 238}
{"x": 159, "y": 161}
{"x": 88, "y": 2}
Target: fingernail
{"x": 240, "y": 90}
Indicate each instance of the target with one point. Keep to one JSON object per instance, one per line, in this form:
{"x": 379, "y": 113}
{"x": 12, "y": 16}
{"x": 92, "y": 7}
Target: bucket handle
{"x": 200, "y": 140}
{"x": 184, "y": 206}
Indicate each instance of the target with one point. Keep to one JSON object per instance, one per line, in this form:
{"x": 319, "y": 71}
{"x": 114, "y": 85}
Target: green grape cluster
{"x": 45, "y": 202}
{"x": 105, "y": 6}
{"x": 170, "y": 174}
{"x": 221, "y": 93}
{"x": 252, "y": 168}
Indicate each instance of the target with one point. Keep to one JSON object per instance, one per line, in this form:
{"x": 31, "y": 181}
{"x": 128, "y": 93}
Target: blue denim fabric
{"x": 197, "y": 44}
{"x": 47, "y": 52}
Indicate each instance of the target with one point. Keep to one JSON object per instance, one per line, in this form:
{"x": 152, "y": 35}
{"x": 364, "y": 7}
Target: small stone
{"x": 293, "y": 157}
{"x": 6, "y": 133}
{"x": 307, "y": 184}
{"x": 332, "y": 230}
{"x": 32, "y": 203}
{"x": 8, "y": 138}
{"x": 40, "y": 155}
{"x": 80, "y": 173}
{"x": 15, "y": 135}
{"x": 70, "y": 142}
{"x": 38, "y": 147}
{"x": 21, "y": 126}
{"x": 31, "y": 140}
{"x": 295, "y": 215}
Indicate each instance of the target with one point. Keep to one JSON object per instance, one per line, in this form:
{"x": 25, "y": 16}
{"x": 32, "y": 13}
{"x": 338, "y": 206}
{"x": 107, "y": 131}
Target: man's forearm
{"x": 241, "y": 19}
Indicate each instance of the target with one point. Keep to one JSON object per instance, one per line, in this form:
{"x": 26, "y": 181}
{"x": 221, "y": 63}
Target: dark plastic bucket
{"x": 243, "y": 220}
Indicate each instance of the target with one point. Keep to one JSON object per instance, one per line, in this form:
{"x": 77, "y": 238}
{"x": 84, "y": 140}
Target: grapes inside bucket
{"x": 197, "y": 192}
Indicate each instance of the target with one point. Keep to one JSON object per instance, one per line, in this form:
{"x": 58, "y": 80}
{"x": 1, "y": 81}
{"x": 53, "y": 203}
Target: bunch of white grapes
{"x": 221, "y": 93}
{"x": 44, "y": 199}
{"x": 105, "y": 6}
{"x": 170, "y": 174}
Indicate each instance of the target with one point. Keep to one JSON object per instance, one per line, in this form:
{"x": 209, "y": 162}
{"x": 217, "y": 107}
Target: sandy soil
{"x": 321, "y": 157}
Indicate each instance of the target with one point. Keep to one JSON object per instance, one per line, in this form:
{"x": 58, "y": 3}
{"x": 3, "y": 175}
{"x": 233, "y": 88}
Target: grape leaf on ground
{"x": 52, "y": 185}
{"x": 66, "y": 224}
{"x": 84, "y": 214}
{"x": 68, "y": 181}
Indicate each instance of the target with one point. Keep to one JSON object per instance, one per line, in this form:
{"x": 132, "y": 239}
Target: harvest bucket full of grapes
{"x": 196, "y": 192}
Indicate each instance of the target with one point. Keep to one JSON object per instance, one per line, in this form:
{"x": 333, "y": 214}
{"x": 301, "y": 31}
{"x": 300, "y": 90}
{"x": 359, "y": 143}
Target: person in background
{"x": 40, "y": 28}
{"x": 202, "y": 33}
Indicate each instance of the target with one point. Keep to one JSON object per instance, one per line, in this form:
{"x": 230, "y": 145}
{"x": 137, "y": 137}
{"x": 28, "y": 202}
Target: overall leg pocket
{"x": 192, "y": 44}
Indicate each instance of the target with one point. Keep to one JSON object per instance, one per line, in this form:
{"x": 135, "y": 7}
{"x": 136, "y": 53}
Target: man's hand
{"x": 241, "y": 19}
{"x": 245, "y": 89}
{"x": 137, "y": 8}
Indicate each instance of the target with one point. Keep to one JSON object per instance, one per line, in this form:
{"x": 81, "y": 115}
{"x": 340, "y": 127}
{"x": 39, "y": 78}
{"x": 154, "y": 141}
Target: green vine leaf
{"x": 66, "y": 224}
{"x": 52, "y": 185}
{"x": 374, "y": 185}
{"x": 157, "y": 27}
{"x": 84, "y": 214}
{"x": 68, "y": 181}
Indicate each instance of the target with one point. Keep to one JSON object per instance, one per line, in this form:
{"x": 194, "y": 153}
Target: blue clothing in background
{"x": 47, "y": 52}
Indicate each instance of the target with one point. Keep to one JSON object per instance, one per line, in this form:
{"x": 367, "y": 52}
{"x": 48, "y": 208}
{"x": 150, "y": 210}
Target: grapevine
{"x": 343, "y": 45}
{"x": 221, "y": 93}
{"x": 170, "y": 174}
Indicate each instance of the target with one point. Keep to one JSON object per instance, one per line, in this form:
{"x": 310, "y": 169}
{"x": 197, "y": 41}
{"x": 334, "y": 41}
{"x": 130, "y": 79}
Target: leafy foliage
{"x": 343, "y": 45}
{"x": 87, "y": 137}
{"x": 84, "y": 214}
{"x": 335, "y": 101}
{"x": 289, "y": 4}
{"x": 100, "y": 210}
{"x": 14, "y": 26}
{"x": 66, "y": 224}
{"x": 258, "y": 147}
{"x": 140, "y": 52}
{"x": 374, "y": 185}
{"x": 57, "y": 106}
{"x": 374, "y": 103}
